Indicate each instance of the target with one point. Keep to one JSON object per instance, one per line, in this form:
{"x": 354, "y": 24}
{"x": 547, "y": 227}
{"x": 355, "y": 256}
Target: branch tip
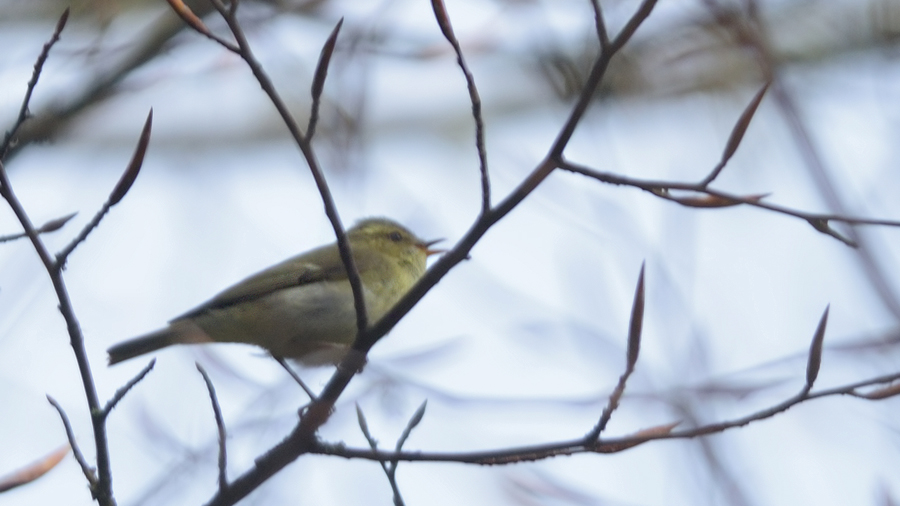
{"x": 815, "y": 351}
{"x": 635, "y": 326}
{"x": 134, "y": 166}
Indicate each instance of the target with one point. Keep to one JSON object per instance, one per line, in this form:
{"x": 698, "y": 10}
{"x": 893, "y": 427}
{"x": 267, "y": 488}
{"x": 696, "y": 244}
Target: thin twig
{"x": 35, "y": 75}
{"x": 318, "y": 84}
{"x": 600, "y": 25}
{"x": 102, "y": 485}
{"x": 293, "y": 374}
{"x": 606, "y": 445}
{"x": 120, "y": 393}
{"x": 117, "y": 194}
{"x": 748, "y": 33}
{"x": 192, "y": 20}
{"x": 737, "y": 134}
{"x": 662, "y": 188}
{"x": 220, "y": 426}
{"x": 389, "y": 468}
{"x": 51, "y": 226}
{"x": 631, "y": 356}
{"x": 443, "y": 19}
{"x": 88, "y": 471}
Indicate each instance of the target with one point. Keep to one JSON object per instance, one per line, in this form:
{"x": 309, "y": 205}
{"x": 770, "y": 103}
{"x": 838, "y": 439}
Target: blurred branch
{"x": 24, "y": 113}
{"x": 716, "y": 199}
{"x": 89, "y": 473}
{"x": 51, "y": 226}
{"x": 33, "y": 471}
{"x": 47, "y": 123}
{"x": 749, "y": 31}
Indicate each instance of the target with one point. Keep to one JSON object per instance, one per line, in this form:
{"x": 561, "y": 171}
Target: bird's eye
{"x": 395, "y": 236}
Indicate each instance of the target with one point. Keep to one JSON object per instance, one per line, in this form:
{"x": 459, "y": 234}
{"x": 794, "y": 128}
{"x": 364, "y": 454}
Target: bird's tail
{"x": 182, "y": 331}
{"x": 140, "y": 345}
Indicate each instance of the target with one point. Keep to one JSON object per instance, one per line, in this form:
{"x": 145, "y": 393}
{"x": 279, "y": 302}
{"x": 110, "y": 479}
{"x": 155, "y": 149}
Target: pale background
{"x": 523, "y": 343}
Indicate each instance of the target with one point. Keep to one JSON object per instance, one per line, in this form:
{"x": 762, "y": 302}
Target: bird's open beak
{"x": 426, "y": 247}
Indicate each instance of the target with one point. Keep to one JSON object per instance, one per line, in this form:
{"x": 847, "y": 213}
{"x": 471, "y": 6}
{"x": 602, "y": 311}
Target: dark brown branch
{"x": 443, "y": 19}
{"x": 318, "y": 84}
{"x": 737, "y": 134}
{"x": 117, "y": 194}
{"x": 600, "y": 25}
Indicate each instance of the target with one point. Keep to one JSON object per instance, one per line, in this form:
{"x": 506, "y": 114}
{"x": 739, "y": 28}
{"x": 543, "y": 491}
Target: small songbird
{"x": 302, "y": 308}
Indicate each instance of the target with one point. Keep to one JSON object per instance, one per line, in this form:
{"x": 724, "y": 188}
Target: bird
{"x": 303, "y": 307}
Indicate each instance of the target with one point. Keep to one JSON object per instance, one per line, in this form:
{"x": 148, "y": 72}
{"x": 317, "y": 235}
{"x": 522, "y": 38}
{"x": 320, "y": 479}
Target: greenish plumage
{"x": 301, "y": 308}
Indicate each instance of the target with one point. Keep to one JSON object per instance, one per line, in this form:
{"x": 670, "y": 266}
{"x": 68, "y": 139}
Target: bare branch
{"x": 610, "y": 445}
{"x": 293, "y": 374}
{"x": 191, "y": 19}
{"x": 51, "y": 226}
{"x": 318, "y": 83}
{"x": 101, "y": 485}
{"x": 443, "y": 19}
{"x": 737, "y": 134}
{"x": 121, "y": 188}
{"x": 600, "y": 25}
{"x": 120, "y": 393}
{"x": 662, "y": 189}
{"x": 88, "y": 471}
{"x": 220, "y": 426}
{"x": 815, "y": 351}
{"x": 35, "y": 75}
{"x": 134, "y": 166}
{"x": 631, "y": 357}
{"x": 634, "y": 22}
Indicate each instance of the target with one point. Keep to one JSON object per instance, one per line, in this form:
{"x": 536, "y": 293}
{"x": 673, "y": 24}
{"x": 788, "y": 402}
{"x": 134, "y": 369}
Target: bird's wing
{"x": 310, "y": 267}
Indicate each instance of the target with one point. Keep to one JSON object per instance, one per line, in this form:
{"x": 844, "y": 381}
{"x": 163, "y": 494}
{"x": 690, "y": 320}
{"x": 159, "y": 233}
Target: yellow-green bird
{"x": 301, "y": 308}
